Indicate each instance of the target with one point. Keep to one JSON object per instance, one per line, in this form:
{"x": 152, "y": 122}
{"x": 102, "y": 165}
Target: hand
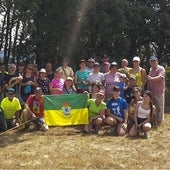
{"x": 124, "y": 125}
{"x": 149, "y": 78}
{"x": 29, "y": 83}
{"x": 139, "y": 126}
{"x": 33, "y": 116}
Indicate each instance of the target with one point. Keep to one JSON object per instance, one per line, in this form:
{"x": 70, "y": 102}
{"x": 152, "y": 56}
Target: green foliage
{"x": 48, "y": 30}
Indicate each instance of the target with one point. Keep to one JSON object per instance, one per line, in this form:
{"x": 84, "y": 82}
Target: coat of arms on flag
{"x": 68, "y": 109}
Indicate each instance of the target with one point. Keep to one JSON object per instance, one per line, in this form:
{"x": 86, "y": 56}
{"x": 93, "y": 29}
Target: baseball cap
{"x": 38, "y": 89}
{"x": 152, "y": 58}
{"x": 11, "y": 90}
{"x": 116, "y": 88}
{"x": 42, "y": 70}
{"x": 69, "y": 78}
{"x": 114, "y": 64}
{"x": 132, "y": 77}
{"x": 106, "y": 63}
{"x": 96, "y": 64}
{"x": 136, "y": 58}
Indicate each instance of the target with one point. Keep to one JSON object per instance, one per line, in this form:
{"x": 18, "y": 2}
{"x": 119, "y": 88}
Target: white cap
{"x": 136, "y": 59}
{"x": 42, "y": 70}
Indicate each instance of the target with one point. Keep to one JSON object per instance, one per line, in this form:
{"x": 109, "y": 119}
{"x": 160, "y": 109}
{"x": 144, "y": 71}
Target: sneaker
{"x": 146, "y": 135}
{"x": 101, "y": 132}
{"x": 43, "y": 127}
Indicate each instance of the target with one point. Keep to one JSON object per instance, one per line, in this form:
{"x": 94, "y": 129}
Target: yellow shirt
{"x": 138, "y": 76}
{"x": 10, "y": 107}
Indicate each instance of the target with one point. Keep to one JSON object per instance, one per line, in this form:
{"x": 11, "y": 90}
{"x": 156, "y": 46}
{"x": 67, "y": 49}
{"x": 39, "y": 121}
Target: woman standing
{"x": 138, "y": 72}
{"x": 28, "y": 83}
{"x": 67, "y": 70}
{"x": 112, "y": 79}
{"x": 43, "y": 81}
{"x": 81, "y": 77}
{"x": 144, "y": 113}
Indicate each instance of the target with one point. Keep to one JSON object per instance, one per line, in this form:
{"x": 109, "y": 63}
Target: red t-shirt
{"x": 36, "y": 105}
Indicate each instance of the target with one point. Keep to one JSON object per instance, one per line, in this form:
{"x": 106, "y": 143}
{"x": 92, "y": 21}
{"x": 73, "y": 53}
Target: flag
{"x": 68, "y": 109}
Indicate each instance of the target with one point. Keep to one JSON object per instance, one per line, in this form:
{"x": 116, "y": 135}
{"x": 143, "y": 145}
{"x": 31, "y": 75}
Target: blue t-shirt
{"x": 121, "y": 86}
{"x": 117, "y": 106}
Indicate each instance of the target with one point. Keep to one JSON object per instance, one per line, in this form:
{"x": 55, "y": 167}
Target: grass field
{"x": 67, "y": 148}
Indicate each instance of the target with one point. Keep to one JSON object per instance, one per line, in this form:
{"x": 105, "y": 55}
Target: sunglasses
{"x": 136, "y": 92}
{"x": 90, "y": 62}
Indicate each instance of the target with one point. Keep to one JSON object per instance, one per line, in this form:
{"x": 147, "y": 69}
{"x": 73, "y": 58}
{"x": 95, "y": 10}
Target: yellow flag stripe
{"x": 59, "y": 118}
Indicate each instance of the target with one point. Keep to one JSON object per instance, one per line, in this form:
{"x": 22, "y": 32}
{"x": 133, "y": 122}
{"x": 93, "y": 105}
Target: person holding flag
{"x": 34, "y": 109}
{"x": 96, "y": 112}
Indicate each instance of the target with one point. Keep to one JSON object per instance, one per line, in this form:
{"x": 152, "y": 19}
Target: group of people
{"x": 117, "y": 96}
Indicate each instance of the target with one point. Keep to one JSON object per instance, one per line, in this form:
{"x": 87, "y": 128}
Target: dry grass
{"x": 66, "y": 148}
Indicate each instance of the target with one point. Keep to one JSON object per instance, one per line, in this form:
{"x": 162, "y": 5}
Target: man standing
{"x": 156, "y": 84}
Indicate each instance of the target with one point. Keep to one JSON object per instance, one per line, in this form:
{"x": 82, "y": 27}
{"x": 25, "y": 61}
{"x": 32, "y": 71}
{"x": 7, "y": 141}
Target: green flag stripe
{"x": 75, "y": 101}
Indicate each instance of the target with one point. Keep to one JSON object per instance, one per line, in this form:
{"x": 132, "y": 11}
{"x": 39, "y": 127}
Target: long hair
{"x": 148, "y": 93}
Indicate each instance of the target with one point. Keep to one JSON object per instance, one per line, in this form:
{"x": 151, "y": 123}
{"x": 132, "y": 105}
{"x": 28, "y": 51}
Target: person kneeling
{"x": 34, "y": 110}
{"x": 144, "y": 114}
{"x": 96, "y": 109}
{"x": 117, "y": 113}
{"x": 10, "y": 111}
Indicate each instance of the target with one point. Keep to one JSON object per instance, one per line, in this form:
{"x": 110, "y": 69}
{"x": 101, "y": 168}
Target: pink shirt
{"x": 111, "y": 81}
{"x": 57, "y": 83}
{"x": 157, "y": 87}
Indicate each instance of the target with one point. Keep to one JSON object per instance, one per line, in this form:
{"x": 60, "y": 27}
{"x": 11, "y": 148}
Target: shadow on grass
{"x": 11, "y": 138}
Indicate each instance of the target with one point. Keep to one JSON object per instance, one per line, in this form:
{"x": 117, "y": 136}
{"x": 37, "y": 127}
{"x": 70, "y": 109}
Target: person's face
{"x": 2, "y": 68}
{"x": 116, "y": 94}
{"x": 48, "y": 67}
{"x": 11, "y": 95}
{"x": 146, "y": 98}
{"x": 38, "y": 93}
{"x": 65, "y": 62}
{"x": 95, "y": 89}
{"x": 12, "y": 68}
{"x": 59, "y": 74}
{"x": 35, "y": 69}
{"x": 21, "y": 69}
{"x": 124, "y": 63}
{"x": 29, "y": 69}
{"x": 113, "y": 68}
{"x": 69, "y": 83}
{"x": 136, "y": 63}
{"x": 90, "y": 63}
{"x": 99, "y": 97}
{"x": 132, "y": 81}
{"x": 136, "y": 92}
{"x": 42, "y": 75}
{"x": 106, "y": 67}
{"x": 83, "y": 65}
{"x": 96, "y": 68}
{"x": 153, "y": 63}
